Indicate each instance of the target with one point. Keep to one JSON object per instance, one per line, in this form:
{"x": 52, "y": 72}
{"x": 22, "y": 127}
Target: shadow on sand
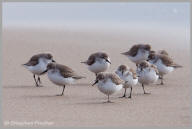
{"x": 82, "y": 84}
{"x": 21, "y": 86}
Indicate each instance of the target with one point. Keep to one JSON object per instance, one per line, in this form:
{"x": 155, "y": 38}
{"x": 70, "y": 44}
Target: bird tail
{"x": 78, "y": 77}
{"x": 177, "y": 66}
{"x": 84, "y": 62}
{"x": 24, "y": 65}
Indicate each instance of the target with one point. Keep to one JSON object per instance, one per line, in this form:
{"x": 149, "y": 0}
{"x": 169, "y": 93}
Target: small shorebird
{"x": 147, "y": 73}
{"x": 37, "y": 64}
{"x": 164, "y": 64}
{"x": 108, "y": 83}
{"x": 129, "y": 76}
{"x": 61, "y": 75}
{"x": 98, "y": 62}
{"x": 138, "y": 53}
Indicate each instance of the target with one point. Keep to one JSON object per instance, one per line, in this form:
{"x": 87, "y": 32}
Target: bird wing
{"x": 91, "y": 59}
{"x": 115, "y": 79}
{"x": 67, "y": 72}
{"x": 134, "y": 73}
{"x": 34, "y": 60}
{"x": 167, "y": 60}
{"x": 133, "y": 50}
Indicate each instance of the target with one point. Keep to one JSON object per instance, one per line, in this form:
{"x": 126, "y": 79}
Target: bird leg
{"x": 63, "y": 90}
{"x": 124, "y": 95}
{"x": 35, "y": 80}
{"x": 144, "y": 89}
{"x": 108, "y": 101}
{"x": 162, "y": 83}
{"x": 39, "y": 80}
{"x": 130, "y": 92}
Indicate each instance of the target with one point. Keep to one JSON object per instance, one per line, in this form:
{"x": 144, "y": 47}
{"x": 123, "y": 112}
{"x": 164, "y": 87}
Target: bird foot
{"x": 59, "y": 95}
{"x": 39, "y": 86}
{"x": 129, "y": 97}
{"x": 123, "y": 96}
{"x": 160, "y": 84}
{"x": 147, "y": 93}
{"x": 108, "y": 102}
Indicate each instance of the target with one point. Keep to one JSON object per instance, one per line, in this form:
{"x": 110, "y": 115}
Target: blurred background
{"x": 94, "y": 15}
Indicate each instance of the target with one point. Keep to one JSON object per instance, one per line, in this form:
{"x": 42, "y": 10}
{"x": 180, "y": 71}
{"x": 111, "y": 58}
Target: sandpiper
{"x": 138, "y": 53}
{"x": 61, "y": 75}
{"x": 37, "y": 64}
{"x": 147, "y": 73}
{"x": 98, "y": 62}
{"x": 129, "y": 76}
{"x": 164, "y": 63}
{"x": 108, "y": 83}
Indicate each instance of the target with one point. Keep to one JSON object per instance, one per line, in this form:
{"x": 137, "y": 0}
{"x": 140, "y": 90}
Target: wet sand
{"x": 82, "y": 105}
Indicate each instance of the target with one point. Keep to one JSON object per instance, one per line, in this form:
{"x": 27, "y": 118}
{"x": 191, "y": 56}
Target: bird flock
{"x": 150, "y": 66}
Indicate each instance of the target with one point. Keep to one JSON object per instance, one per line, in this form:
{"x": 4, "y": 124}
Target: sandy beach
{"x": 82, "y": 105}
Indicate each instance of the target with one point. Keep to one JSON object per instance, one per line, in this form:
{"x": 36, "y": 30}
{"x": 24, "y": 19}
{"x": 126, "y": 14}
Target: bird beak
{"x": 95, "y": 83}
{"x": 53, "y": 60}
{"x": 122, "y": 72}
{"x": 44, "y": 71}
{"x": 108, "y": 61}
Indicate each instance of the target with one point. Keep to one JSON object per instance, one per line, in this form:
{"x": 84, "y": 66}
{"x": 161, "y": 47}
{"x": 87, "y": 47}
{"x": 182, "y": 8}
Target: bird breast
{"x": 147, "y": 76}
{"x": 141, "y": 55}
{"x": 163, "y": 69}
{"x": 108, "y": 87}
{"x": 39, "y": 68}
{"x": 128, "y": 78}
{"x": 99, "y": 66}
{"x": 57, "y": 79}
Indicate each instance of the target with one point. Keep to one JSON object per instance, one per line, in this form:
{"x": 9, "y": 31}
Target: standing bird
{"x": 37, "y": 64}
{"x": 98, "y": 62}
{"x": 61, "y": 75}
{"x": 138, "y": 53}
{"x": 164, "y": 64}
{"x": 147, "y": 73}
{"x": 108, "y": 83}
{"x": 129, "y": 76}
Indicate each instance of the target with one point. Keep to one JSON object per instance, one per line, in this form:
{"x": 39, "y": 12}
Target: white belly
{"x": 147, "y": 76}
{"x": 98, "y": 67}
{"x": 57, "y": 79}
{"x": 162, "y": 68}
{"x": 130, "y": 81}
{"x": 139, "y": 57}
{"x": 40, "y": 67}
{"x": 37, "y": 69}
{"x": 109, "y": 87}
